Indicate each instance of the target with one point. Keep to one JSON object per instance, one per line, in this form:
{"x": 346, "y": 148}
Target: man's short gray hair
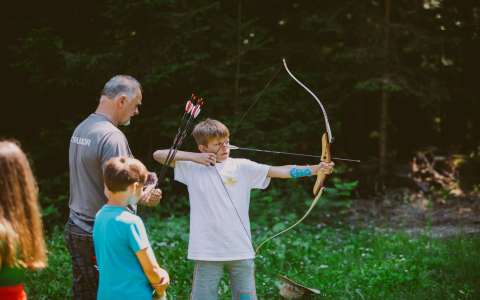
{"x": 119, "y": 84}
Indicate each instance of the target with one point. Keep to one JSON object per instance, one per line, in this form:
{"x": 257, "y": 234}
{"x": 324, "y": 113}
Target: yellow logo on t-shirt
{"x": 229, "y": 180}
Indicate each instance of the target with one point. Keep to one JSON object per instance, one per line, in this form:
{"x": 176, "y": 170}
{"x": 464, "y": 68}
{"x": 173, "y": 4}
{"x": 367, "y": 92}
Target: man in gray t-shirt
{"x": 95, "y": 140}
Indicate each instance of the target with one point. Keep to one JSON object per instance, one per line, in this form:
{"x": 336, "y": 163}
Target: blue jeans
{"x": 207, "y": 275}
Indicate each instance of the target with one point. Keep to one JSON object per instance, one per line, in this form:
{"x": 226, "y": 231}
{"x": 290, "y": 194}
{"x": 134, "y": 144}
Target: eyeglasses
{"x": 224, "y": 144}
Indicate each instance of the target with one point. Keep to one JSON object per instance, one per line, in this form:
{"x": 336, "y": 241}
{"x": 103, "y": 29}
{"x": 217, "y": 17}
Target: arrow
{"x": 232, "y": 147}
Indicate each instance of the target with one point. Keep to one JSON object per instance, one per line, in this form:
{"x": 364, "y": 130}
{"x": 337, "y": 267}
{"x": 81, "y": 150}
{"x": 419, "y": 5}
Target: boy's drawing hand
{"x": 206, "y": 159}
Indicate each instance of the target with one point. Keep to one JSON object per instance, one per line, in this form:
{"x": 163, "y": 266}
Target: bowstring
{"x": 256, "y": 99}
{"x": 233, "y": 205}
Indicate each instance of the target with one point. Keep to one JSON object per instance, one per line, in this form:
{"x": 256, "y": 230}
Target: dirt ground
{"x": 416, "y": 214}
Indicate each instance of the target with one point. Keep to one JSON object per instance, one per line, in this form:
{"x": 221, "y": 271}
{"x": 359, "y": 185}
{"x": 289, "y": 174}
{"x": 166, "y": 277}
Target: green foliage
{"x": 375, "y": 85}
{"x": 339, "y": 196}
{"x": 228, "y": 52}
{"x": 53, "y": 198}
{"x": 343, "y": 264}
{"x": 55, "y": 281}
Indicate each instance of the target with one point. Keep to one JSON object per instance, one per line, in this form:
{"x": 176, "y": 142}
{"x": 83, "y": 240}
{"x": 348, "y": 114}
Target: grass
{"x": 342, "y": 263}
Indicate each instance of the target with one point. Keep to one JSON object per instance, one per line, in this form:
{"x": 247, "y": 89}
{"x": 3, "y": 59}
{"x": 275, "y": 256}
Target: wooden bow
{"x": 326, "y": 157}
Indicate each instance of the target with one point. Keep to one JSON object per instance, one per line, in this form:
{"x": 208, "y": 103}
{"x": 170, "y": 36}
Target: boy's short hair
{"x": 120, "y": 172}
{"x": 208, "y": 130}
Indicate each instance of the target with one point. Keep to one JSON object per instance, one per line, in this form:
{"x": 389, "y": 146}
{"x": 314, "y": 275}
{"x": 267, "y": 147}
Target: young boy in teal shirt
{"x": 126, "y": 263}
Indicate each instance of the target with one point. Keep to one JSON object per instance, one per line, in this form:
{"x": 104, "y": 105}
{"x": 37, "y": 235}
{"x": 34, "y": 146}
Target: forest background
{"x": 398, "y": 79}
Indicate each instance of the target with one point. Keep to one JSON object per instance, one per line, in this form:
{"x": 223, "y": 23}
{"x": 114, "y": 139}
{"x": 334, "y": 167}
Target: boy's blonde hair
{"x": 209, "y": 129}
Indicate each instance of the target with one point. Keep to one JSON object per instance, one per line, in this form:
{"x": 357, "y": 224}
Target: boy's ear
{"x": 133, "y": 188}
{"x": 106, "y": 191}
{"x": 202, "y": 148}
{"x": 137, "y": 186}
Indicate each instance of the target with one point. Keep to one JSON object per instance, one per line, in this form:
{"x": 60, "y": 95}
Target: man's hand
{"x": 150, "y": 195}
{"x": 204, "y": 158}
{"x": 151, "y": 198}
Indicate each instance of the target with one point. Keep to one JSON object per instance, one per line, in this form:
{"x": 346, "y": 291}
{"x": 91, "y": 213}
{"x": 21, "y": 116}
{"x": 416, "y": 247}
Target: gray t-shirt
{"x": 93, "y": 142}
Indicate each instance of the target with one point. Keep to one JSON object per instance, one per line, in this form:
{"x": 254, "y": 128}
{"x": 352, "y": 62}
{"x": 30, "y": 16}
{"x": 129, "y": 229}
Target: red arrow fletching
{"x": 196, "y": 111}
{"x": 189, "y": 106}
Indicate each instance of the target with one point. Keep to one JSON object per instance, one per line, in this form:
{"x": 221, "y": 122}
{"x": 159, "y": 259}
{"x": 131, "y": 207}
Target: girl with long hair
{"x": 22, "y": 246}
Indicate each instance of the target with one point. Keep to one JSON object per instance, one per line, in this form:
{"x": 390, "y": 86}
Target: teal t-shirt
{"x": 118, "y": 235}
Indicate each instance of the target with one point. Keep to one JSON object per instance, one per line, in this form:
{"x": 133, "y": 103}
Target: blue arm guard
{"x": 304, "y": 172}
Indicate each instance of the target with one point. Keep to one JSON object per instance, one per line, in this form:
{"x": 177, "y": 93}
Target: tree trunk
{"x": 382, "y": 142}
{"x": 384, "y": 119}
{"x": 236, "y": 96}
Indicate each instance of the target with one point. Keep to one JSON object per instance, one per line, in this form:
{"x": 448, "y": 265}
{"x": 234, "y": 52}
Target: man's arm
{"x": 157, "y": 276}
{"x": 292, "y": 171}
{"x": 206, "y": 159}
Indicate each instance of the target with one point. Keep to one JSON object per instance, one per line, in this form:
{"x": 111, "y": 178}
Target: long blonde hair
{"x": 21, "y": 229}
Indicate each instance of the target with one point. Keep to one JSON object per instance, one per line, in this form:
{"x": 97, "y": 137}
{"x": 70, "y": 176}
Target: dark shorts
{"x": 85, "y": 273}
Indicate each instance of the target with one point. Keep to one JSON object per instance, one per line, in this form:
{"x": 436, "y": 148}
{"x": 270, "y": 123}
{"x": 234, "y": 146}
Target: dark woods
{"x": 396, "y": 77}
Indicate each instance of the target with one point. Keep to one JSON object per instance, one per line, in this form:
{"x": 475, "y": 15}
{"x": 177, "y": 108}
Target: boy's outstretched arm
{"x": 198, "y": 157}
{"x": 292, "y": 171}
{"x": 157, "y": 276}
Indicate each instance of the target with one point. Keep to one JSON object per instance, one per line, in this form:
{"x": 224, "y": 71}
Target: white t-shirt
{"x": 216, "y": 233}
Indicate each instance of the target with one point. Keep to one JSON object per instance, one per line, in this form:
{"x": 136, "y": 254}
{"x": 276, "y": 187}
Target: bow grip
{"x": 326, "y": 157}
